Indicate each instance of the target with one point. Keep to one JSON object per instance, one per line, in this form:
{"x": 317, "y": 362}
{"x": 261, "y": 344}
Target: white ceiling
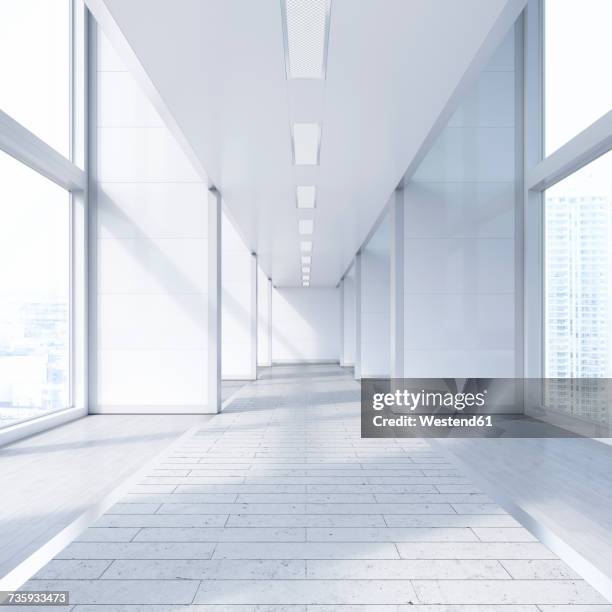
{"x": 394, "y": 69}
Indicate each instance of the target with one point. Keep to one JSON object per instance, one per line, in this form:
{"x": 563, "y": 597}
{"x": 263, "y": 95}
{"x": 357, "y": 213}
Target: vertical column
{"x": 254, "y": 316}
{"x": 91, "y": 163}
{"x": 531, "y": 229}
{"x": 358, "y": 273}
{"x": 269, "y": 335}
{"x": 397, "y": 285}
{"x": 341, "y": 300}
{"x": 214, "y": 301}
{"x": 264, "y": 320}
{"x": 80, "y": 217}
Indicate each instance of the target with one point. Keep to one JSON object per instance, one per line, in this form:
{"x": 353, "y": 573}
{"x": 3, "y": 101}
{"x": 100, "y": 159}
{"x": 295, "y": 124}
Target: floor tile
{"x": 278, "y": 505}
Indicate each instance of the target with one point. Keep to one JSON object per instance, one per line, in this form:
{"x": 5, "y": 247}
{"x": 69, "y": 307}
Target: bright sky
{"x": 35, "y": 67}
{"x": 578, "y": 67}
{"x": 34, "y": 234}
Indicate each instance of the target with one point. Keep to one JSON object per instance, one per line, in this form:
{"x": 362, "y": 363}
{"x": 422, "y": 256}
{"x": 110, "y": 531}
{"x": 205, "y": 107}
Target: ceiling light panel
{"x": 306, "y": 246}
{"x": 306, "y": 25}
{"x": 305, "y": 226}
{"x": 306, "y": 259}
{"x": 306, "y": 196}
{"x": 306, "y": 144}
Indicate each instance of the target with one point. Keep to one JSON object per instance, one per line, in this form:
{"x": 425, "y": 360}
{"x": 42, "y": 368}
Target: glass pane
{"x": 578, "y": 79}
{"x": 578, "y": 256}
{"x": 35, "y": 67}
{"x": 34, "y": 293}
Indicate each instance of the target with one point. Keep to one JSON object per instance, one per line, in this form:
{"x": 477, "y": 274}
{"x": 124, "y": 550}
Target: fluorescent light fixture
{"x": 306, "y": 143}
{"x": 306, "y": 259}
{"x": 306, "y": 196}
{"x": 306, "y": 30}
{"x": 306, "y": 283}
{"x": 305, "y": 269}
{"x": 305, "y": 246}
{"x": 305, "y": 226}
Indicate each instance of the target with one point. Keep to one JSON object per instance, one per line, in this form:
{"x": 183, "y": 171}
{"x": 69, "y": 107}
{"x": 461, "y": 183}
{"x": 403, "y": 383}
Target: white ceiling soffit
{"x": 217, "y": 67}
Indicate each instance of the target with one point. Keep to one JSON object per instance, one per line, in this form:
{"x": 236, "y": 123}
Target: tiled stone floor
{"x": 49, "y": 480}
{"x": 278, "y": 504}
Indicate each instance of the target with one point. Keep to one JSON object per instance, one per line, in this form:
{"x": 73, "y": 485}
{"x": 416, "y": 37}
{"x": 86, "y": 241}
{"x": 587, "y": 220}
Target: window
{"x": 35, "y": 67}
{"x": 34, "y": 293}
{"x": 578, "y": 256}
{"x": 578, "y": 48}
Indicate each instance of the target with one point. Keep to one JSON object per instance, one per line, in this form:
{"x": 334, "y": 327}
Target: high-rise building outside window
{"x": 578, "y": 281}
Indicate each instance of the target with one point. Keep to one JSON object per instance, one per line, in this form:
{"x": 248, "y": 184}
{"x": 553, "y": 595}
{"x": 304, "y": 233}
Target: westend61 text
{"x": 427, "y": 420}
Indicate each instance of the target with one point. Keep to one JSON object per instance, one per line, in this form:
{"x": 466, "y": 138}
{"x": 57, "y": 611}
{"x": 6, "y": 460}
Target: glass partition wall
{"x": 577, "y": 208}
{"x": 38, "y": 184}
{"x": 568, "y": 203}
{"x": 34, "y": 293}
{"x": 578, "y": 256}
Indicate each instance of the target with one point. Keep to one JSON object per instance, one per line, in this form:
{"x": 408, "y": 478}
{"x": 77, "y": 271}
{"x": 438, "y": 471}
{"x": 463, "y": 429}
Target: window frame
{"x": 70, "y": 173}
{"x": 541, "y": 172}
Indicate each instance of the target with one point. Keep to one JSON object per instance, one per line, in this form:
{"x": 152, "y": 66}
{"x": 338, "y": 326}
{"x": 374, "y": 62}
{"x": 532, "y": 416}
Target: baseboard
{"x": 203, "y": 409}
{"x": 278, "y": 362}
{"x": 12, "y": 433}
{"x": 245, "y": 378}
{"x": 347, "y": 365}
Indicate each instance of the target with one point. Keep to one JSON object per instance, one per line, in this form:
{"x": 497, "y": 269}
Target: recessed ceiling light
{"x": 306, "y": 144}
{"x": 306, "y": 246}
{"x": 305, "y": 226}
{"x": 306, "y": 25}
{"x": 306, "y": 196}
{"x": 306, "y": 259}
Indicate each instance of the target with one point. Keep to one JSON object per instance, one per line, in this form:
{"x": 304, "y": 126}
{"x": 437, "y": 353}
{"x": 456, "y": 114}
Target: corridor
{"x": 278, "y": 504}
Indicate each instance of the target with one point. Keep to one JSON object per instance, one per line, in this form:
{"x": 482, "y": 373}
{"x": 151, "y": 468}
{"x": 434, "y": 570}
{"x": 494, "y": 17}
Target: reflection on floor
{"x": 48, "y": 480}
{"x": 230, "y": 387}
{"x": 564, "y": 484}
{"x": 279, "y": 502}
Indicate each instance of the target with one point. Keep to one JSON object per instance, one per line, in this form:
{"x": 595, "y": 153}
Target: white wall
{"x": 347, "y": 354}
{"x": 151, "y": 340}
{"x": 459, "y": 299}
{"x": 305, "y": 324}
{"x": 238, "y": 306}
{"x": 264, "y": 319}
{"x": 375, "y": 303}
